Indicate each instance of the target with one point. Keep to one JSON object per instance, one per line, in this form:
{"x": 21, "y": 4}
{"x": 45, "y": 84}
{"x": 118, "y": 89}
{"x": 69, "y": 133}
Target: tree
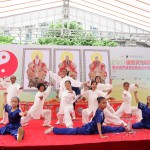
{"x": 6, "y": 39}
{"x": 59, "y": 34}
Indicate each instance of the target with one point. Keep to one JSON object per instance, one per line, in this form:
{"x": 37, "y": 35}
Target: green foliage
{"x": 77, "y": 37}
{"x": 6, "y": 39}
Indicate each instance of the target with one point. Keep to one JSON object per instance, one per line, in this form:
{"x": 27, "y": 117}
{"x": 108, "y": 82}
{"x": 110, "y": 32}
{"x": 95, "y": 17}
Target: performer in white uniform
{"x": 91, "y": 96}
{"x": 61, "y": 81}
{"x": 66, "y": 105}
{"x": 36, "y": 110}
{"x": 101, "y": 86}
{"x": 110, "y": 117}
{"x": 126, "y": 105}
{"x": 13, "y": 90}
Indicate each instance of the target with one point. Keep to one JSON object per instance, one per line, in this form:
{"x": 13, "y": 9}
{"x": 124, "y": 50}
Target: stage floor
{"x": 36, "y": 139}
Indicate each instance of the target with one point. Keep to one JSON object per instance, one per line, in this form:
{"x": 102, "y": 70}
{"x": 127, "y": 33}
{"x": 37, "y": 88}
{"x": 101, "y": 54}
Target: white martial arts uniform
{"x": 61, "y": 82}
{"x": 66, "y": 108}
{"x": 91, "y": 96}
{"x": 126, "y": 105}
{"x": 110, "y": 117}
{"x": 104, "y": 87}
{"x": 12, "y": 91}
{"x": 36, "y": 110}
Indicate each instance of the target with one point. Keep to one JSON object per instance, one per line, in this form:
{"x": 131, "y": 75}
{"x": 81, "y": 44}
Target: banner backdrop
{"x": 34, "y": 69}
{"x": 29, "y": 62}
{"x": 70, "y": 60}
{"x": 96, "y": 63}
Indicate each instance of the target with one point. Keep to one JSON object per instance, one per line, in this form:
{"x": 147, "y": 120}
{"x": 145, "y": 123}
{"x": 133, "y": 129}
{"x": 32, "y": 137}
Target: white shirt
{"x": 67, "y": 100}
{"x": 104, "y": 87}
{"x": 37, "y": 107}
{"x": 12, "y": 90}
{"x": 61, "y": 82}
{"x": 126, "y": 95}
{"x": 91, "y": 96}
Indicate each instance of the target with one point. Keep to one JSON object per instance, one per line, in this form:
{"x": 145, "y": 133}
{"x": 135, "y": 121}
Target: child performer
{"x": 145, "y": 108}
{"x": 91, "y": 96}
{"x": 14, "y": 114}
{"x": 110, "y": 117}
{"x": 94, "y": 127}
{"x": 61, "y": 81}
{"x": 36, "y": 111}
{"x": 126, "y": 105}
{"x": 13, "y": 89}
{"x": 66, "y": 105}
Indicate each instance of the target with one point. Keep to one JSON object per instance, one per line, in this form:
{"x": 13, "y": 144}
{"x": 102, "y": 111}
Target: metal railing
{"x": 29, "y": 35}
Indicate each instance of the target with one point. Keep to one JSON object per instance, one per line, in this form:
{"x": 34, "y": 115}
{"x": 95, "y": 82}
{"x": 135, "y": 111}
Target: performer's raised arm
{"x": 132, "y": 87}
{"x": 75, "y": 83}
{"x": 136, "y": 97}
{"x": 54, "y": 76}
{"x": 4, "y": 83}
{"x": 47, "y": 91}
{"x": 5, "y": 98}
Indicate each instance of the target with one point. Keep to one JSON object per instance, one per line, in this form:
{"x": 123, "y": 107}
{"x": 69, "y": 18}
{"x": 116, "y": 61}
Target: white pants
{"x": 86, "y": 113}
{"x": 46, "y": 114}
{"x": 66, "y": 117}
{"x": 137, "y": 112}
{"x": 5, "y": 118}
{"x": 73, "y": 114}
{"x": 110, "y": 118}
{"x": 133, "y": 109}
{"x": 61, "y": 117}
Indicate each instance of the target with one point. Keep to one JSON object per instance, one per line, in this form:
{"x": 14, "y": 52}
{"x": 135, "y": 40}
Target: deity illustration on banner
{"x": 37, "y": 69}
{"x": 68, "y": 64}
{"x": 97, "y": 68}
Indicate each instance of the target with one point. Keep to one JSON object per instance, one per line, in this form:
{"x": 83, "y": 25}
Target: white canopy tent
{"x": 132, "y": 12}
{"x": 120, "y": 16}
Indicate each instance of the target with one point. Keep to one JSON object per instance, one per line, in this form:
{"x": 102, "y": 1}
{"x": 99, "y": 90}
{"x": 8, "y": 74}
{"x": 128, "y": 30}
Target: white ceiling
{"x": 132, "y": 12}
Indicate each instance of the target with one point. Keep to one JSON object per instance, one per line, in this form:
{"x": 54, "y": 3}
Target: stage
{"x": 36, "y": 139}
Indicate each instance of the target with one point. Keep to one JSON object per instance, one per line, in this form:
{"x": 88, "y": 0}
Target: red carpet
{"x": 36, "y": 139}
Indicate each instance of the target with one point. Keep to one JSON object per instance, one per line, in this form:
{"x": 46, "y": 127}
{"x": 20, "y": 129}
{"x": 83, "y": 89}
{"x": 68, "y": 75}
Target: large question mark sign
{"x": 8, "y": 63}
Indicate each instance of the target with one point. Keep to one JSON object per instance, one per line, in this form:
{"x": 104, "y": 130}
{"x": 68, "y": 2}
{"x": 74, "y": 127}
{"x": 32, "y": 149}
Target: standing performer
{"x": 94, "y": 127}
{"x": 13, "y": 89}
{"x": 61, "y": 80}
{"x": 145, "y": 108}
{"x": 36, "y": 111}
{"x": 91, "y": 96}
{"x": 110, "y": 117}
{"x": 126, "y": 105}
{"x": 66, "y": 105}
{"x": 14, "y": 114}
